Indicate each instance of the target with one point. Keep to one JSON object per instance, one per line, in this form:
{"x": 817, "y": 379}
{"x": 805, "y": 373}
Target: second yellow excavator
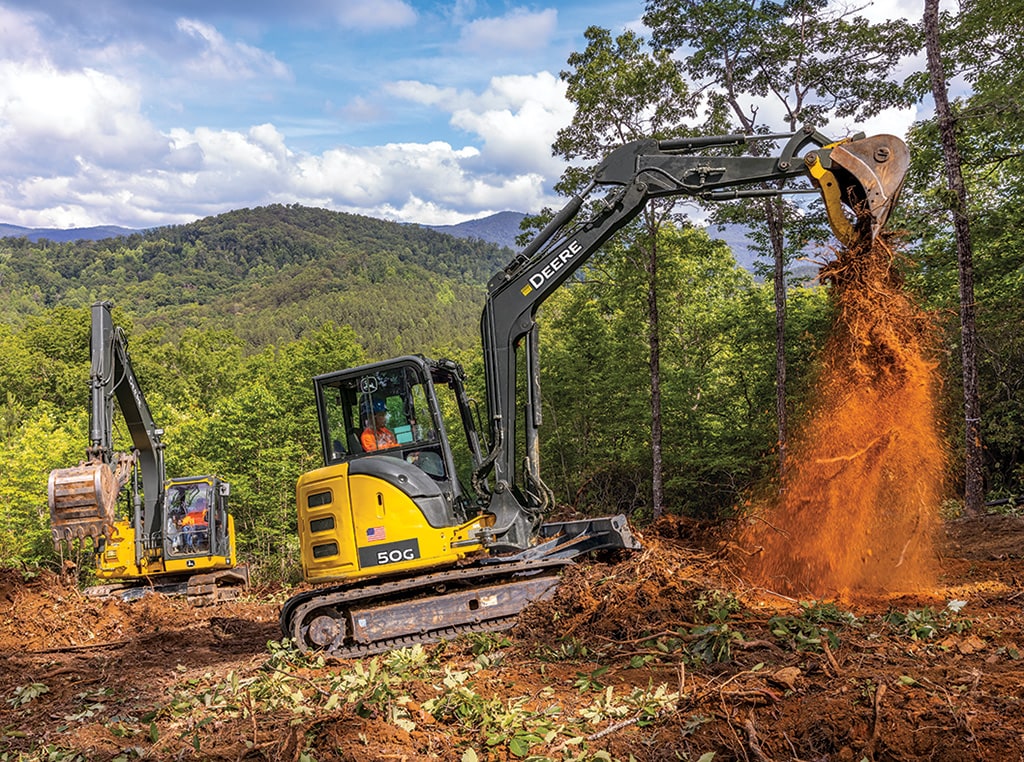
{"x": 179, "y": 537}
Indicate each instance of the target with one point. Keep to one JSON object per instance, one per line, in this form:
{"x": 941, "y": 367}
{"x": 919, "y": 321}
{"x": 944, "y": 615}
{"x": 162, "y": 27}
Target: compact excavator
{"x": 180, "y": 538}
{"x": 415, "y": 550}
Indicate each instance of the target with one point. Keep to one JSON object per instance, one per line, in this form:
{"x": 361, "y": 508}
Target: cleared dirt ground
{"x": 666, "y": 654}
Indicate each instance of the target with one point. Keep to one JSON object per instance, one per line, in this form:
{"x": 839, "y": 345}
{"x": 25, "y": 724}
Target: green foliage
{"x": 590, "y": 681}
{"x": 811, "y": 57}
{"x": 717, "y": 378}
{"x": 482, "y": 643}
{"x": 37, "y": 445}
{"x": 992, "y": 167}
{"x": 569, "y": 649}
{"x": 926, "y": 623}
{"x": 25, "y": 694}
{"x": 815, "y": 625}
{"x": 717, "y": 605}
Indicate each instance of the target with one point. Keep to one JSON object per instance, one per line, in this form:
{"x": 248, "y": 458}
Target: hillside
{"x": 501, "y": 229}
{"x": 269, "y": 275}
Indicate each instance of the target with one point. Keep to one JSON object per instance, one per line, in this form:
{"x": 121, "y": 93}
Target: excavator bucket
{"x": 863, "y": 175}
{"x": 83, "y": 500}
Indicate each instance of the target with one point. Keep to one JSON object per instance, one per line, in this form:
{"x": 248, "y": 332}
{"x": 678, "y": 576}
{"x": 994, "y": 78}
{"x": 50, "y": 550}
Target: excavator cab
{"x": 389, "y": 497}
{"x": 196, "y": 517}
{"x": 387, "y": 409}
{"x": 196, "y": 536}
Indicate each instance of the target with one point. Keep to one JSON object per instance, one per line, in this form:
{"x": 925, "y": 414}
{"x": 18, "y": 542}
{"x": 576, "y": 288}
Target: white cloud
{"x": 225, "y": 60}
{"x": 18, "y": 35}
{"x": 908, "y": 10}
{"x": 426, "y": 94}
{"x": 50, "y": 118}
{"x": 518, "y": 30}
{"x": 380, "y": 14}
{"x": 522, "y": 131}
{"x": 516, "y": 118}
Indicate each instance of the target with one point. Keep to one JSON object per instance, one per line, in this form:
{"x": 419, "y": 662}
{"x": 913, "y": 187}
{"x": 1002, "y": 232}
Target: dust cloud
{"x": 858, "y": 508}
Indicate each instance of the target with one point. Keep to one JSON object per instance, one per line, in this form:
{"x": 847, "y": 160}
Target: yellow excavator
{"x": 179, "y": 537}
{"x": 410, "y": 550}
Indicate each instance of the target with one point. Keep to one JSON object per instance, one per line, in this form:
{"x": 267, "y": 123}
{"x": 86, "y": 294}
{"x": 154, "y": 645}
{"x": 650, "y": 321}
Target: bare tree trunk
{"x": 974, "y": 479}
{"x": 654, "y": 339}
{"x": 775, "y": 234}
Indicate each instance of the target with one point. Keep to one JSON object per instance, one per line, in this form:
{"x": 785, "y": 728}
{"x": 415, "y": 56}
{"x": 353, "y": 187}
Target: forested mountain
{"x": 268, "y": 275}
{"x": 501, "y": 228}
{"x": 95, "y": 233}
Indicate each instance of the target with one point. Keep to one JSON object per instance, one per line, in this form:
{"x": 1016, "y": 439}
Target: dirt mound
{"x": 47, "y": 613}
{"x": 656, "y": 588}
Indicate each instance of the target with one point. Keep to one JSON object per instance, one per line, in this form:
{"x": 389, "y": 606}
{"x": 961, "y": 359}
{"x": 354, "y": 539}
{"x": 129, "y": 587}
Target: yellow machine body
{"x": 115, "y": 560}
{"x": 177, "y": 528}
{"x": 353, "y": 526}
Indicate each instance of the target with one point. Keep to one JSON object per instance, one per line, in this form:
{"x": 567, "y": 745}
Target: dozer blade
{"x": 82, "y": 501}
{"x": 864, "y": 175}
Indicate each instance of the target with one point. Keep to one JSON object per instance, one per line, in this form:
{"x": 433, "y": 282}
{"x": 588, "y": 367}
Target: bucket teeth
{"x": 82, "y": 500}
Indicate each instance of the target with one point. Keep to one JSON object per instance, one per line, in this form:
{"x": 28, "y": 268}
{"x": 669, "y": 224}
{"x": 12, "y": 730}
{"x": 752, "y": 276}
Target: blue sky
{"x": 153, "y": 112}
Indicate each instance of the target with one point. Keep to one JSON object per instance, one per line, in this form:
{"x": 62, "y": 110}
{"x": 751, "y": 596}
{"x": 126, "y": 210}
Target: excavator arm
{"x": 83, "y": 498}
{"x": 858, "y": 179}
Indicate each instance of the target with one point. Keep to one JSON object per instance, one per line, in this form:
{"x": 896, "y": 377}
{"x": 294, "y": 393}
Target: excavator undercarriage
{"x": 487, "y": 594}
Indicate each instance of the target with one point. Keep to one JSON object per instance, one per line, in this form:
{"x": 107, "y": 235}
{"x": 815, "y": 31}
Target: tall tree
{"x": 974, "y": 480}
{"x": 623, "y": 93}
{"x": 798, "y": 58}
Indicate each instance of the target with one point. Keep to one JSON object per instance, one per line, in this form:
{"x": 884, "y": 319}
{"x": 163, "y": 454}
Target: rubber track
{"x": 295, "y": 609}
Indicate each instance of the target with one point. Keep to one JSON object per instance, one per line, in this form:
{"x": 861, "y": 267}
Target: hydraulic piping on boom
{"x": 418, "y": 550}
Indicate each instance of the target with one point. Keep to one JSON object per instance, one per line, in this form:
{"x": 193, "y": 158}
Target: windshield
{"x": 374, "y": 411}
{"x": 188, "y": 517}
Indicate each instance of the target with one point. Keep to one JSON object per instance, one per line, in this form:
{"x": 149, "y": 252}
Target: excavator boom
{"x": 858, "y": 178}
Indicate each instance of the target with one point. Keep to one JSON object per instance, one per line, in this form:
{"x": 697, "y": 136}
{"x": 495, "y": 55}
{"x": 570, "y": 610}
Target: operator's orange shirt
{"x": 194, "y": 519}
{"x": 377, "y": 439}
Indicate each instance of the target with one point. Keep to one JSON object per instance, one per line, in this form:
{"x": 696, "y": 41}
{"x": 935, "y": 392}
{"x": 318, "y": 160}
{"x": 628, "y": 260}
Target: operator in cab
{"x": 376, "y": 435}
{"x": 195, "y": 525}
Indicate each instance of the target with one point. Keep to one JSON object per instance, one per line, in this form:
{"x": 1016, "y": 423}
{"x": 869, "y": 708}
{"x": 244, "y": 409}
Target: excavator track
{"x": 205, "y": 589}
{"x": 352, "y": 621}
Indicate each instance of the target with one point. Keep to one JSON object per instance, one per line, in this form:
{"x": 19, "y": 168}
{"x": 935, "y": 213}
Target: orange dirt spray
{"x": 858, "y": 507}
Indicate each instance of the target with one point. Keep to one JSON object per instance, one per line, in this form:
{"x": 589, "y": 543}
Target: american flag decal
{"x": 375, "y": 534}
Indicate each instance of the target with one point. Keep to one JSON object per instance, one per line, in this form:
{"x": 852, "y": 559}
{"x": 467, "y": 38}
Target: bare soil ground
{"x": 746, "y": 674}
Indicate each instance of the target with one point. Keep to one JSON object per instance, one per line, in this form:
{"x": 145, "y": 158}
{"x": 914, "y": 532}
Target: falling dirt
{"x": 858, "y": 508}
